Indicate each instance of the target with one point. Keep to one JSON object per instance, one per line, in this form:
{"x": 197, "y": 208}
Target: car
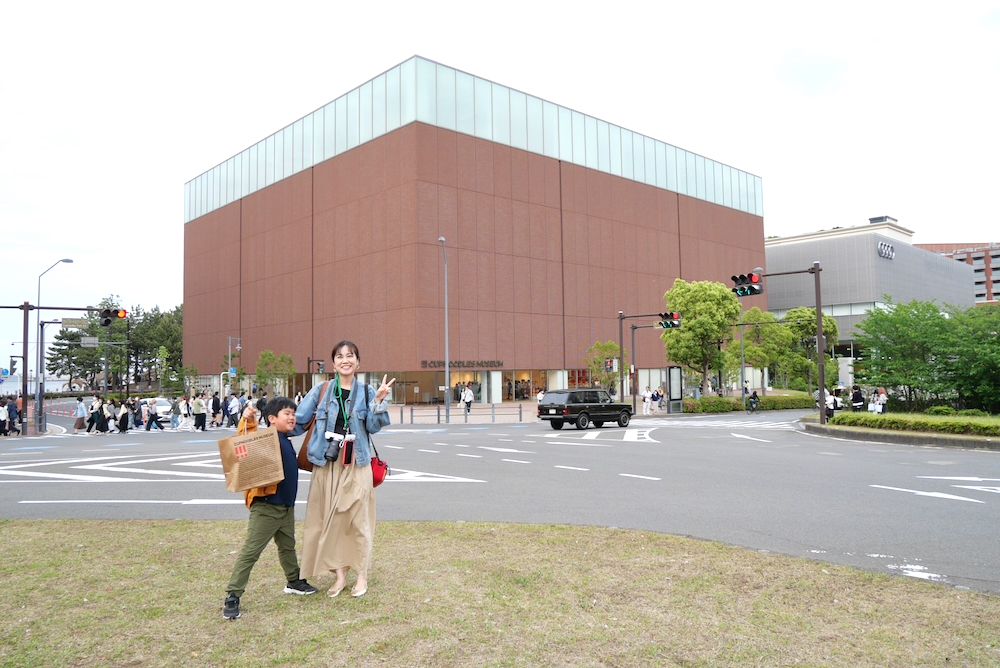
{"x": 162, "y": 407}
{"x": 582, "y": 407}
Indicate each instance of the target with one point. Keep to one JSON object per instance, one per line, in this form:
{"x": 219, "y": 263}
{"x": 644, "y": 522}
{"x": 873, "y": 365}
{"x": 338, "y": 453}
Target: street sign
{"x": 81, "y": 323}
{"x": 232, "y": 371}
{"x": 4, "y": 372}
{"x": 88, "y": 341}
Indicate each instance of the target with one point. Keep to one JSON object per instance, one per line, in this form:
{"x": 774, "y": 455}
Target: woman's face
{"x": 345, "y": 361}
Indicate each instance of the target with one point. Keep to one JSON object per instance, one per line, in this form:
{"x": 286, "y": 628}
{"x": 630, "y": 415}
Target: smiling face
{"x": 346, "y": 362}
{"x": 284, "y": 421}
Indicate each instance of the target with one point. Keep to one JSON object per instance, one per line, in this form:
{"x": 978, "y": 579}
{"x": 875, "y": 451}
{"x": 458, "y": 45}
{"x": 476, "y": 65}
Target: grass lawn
{"x": 149, "y": 593}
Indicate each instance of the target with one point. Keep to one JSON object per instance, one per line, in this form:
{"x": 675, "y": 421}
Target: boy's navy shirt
{"x": 287, "y": 488}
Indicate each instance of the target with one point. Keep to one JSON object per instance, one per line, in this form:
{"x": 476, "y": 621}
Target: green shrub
{"x": 692, "y": 406}
{"x": 973, "y": 412}
{"x": 719, "y": 405}
{"x": 780, "y": 402}
{"x": 971, "y": 426}
{"x": 940, "y": 410}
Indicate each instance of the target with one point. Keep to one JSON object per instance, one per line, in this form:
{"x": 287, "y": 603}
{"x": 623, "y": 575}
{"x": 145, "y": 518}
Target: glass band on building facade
{"x": 422, "y": 90}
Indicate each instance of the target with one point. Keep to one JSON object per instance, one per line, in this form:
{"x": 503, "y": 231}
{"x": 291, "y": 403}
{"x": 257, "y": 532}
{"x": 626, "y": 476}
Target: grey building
{"x": 859, "y": 266}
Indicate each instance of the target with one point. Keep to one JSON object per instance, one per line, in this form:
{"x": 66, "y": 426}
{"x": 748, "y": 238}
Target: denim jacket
{"x": 364, "y": 418}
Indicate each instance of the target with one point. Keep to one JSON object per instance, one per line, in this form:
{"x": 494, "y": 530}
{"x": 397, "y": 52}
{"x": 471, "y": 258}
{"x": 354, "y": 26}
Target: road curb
{"x": 902, "y": 437}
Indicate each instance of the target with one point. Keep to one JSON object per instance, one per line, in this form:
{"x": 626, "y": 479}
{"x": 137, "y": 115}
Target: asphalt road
{"x": 754, "y": 481}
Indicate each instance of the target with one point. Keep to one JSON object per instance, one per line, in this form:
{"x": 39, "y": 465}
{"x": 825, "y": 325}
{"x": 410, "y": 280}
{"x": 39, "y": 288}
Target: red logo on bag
{"x": 241, "y": 451}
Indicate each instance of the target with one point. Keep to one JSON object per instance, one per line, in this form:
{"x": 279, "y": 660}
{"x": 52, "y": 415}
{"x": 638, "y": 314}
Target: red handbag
{"x": 380, "y": 469}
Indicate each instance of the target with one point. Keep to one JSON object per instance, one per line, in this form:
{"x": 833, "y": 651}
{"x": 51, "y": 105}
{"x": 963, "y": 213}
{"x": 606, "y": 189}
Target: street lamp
{"x": 40, "y": 366}
{"x": 239, "y": 347}
{"x": 447, "y": 364}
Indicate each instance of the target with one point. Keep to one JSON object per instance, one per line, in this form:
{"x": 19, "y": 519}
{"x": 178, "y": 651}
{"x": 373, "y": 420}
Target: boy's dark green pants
{"x": 267, "y": 521}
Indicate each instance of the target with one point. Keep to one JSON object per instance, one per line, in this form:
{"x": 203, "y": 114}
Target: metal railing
{"x": 479, "y": 413}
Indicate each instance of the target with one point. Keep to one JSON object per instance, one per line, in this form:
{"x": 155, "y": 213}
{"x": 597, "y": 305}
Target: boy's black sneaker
{"x": 231, "y": 608}
{"x": 300, "y": 587}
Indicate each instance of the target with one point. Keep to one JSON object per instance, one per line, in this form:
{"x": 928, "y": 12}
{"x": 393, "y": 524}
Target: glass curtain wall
{"x": 421, "y": 90}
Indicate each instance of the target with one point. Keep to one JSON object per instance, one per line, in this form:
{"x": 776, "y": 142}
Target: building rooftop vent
{"x": 882, "y": 219}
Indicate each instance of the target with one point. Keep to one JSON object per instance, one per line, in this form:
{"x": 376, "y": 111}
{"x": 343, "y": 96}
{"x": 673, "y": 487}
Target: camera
{"x": 335, "y": 441}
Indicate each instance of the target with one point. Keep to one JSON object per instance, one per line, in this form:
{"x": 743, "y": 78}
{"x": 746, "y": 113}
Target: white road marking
{"x": 958, "y": 478}
{"x": 463, "y": 454}
{"x": 403, "y": 475}
{"x": 431, "y": 451}
{"x": 592, "y": 435}
{"x": 641, "y": 477}
{"x": 994, "y": 490}
{"x": 515, "y": 461}
{"x": 571, "y": 468}
{"x": 938, "y": 495}
{"x": 750, "y": 438}
{"x": 589, "y": 445}
{"x": 523, "y": 452}
{"x": 395, "y": 447}
{"x": 639, "y": 435}
{"x": 67, "y": 476}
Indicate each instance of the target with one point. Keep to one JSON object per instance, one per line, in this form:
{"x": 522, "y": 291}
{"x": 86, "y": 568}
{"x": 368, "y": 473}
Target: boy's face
{"x": 284, "y": 421}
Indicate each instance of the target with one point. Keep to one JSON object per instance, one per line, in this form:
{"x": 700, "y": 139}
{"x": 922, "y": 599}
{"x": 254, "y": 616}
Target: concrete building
{"x": 985, "y": 261}
{"x": 860, "y": 266}
{"x": 554, "y": 222}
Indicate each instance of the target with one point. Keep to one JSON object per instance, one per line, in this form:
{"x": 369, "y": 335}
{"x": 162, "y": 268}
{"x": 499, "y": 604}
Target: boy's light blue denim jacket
{"x": 364, "y": 417}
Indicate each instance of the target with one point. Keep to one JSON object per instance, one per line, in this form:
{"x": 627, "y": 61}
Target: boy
{"x": 272, "y": 515}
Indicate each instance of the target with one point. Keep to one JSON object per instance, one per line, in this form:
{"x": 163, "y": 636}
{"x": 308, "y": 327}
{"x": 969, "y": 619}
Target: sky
{"x": 845, "y": 111}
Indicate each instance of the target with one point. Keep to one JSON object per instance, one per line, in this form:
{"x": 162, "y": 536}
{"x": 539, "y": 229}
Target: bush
{"x": 940, "y": 410}
{"x": 719, "y": 405}
{"x": 779, "y": 402}
{"x": 973, "y": 412}
{"x": 969, "y": 426}
{"x": 692, "y": 406}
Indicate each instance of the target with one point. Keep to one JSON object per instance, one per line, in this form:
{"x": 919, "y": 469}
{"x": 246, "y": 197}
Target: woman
{"x": 340, "y": 514}
{"x": 123, "y": 414}
{"x": 647, "y": 400}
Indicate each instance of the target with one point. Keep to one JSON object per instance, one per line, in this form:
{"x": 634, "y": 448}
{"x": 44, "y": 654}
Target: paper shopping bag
{"x": 251, "y": 460}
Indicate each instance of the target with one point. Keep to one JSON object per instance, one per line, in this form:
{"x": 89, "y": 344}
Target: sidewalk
{"x": 811, "y": 424}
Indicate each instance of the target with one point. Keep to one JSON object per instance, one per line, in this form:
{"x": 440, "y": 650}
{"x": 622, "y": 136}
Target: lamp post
{"x": 40, "y": 366}
{"x": 447, "y": 364}
{"x": 239, "y": 347}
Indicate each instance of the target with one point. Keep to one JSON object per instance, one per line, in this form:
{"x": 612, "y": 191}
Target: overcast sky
{"x": 846, "y": 111}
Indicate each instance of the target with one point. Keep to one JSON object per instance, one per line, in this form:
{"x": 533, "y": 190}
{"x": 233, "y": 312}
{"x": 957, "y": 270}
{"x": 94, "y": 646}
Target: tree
{"x": 764, "y": 338}
{"x": 972, "y": 360}
{"x": 709, "y": 310}
{"x": 271, "y": 368}
{"x": 904, "y": 346}
{"x": 803, "y": 357}
{"x": 595, "y": 358}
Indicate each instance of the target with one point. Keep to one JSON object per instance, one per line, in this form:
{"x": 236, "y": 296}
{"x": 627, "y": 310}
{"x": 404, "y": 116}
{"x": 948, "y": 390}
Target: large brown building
{"x": 553, "y": 221}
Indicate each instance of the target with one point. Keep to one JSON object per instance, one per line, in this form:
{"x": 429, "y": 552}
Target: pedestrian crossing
{"x": 719, "y": 423}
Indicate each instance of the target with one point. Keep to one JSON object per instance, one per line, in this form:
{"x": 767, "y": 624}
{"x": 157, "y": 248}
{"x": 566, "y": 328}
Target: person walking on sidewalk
{"x": 80, "y": 413}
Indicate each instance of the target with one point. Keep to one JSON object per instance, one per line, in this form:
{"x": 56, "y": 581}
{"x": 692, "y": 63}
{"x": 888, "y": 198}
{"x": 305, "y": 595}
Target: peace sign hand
{"x": 384, "y": 389}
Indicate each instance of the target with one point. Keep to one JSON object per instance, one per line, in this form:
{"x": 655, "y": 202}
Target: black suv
{"x": 581, "y": 407}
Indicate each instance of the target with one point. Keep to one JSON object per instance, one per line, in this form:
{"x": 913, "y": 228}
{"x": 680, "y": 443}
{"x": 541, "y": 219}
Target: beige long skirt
{"x": 340, "y": 520}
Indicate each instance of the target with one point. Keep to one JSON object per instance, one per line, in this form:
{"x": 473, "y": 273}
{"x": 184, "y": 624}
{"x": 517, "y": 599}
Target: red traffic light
{"x": 754, "y": 278}
{"x": 120, "y": 313}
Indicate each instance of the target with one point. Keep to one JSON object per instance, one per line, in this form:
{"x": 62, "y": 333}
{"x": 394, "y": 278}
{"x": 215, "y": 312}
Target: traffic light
{"x": 105, "y": 317}
{"x": 609, "y": 365}
{"x": 13, "y": 366}
{"x": 119, "y": 313}
{"x": 670, "y": 320}
{"x": 321, "y": 367}
{"x": 748, "y": 284}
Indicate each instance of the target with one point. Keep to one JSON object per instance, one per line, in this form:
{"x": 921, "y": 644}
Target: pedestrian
{"x": 123, "y": 415}
{"x": 234, "y": 410}
{"x": 216, "y": 410}
{"x": 154, "y": 416}
{"x": 883, "y": 399}
{"x": 14, "y": 413}
{"x": 198, "y": 410}
{"x": 4, "y": 428}
{"x": 647, "y": 400}
{"x": 261, "y": 405}
{"x": 92, "y": 414}
{"x": 175, "y": 413}
{"x": 272, "y": 517}
{"x": 467, "y": 398}
{"x": 340, "y": 512}
{"x": 541, "y": 394}
{"x": 80, "y": 413}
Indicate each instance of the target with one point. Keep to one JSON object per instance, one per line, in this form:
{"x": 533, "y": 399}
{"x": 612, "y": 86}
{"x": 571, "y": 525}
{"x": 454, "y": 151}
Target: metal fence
{"x": 478, "y": 414}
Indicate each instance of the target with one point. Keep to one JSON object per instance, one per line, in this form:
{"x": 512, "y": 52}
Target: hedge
{"x": 728, "y": 404}
{"x": 970, "y": 426}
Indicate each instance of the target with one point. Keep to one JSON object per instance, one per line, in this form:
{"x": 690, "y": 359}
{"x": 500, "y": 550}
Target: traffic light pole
{"x": 621, "y": 350}
{"x": 821, "y": 364}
